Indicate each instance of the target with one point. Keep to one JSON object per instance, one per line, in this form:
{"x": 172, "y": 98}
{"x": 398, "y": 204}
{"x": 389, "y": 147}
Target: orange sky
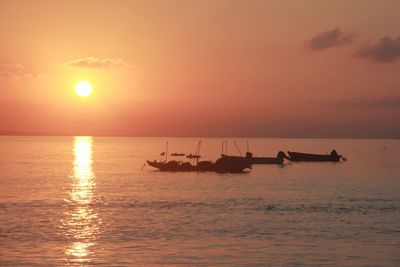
{"x": 201, "y": 68}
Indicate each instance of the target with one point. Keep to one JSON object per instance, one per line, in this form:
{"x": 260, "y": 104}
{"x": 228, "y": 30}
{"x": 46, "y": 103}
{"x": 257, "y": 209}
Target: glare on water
{"x": 81, "y": 223}
{"x": 83, "y": 177}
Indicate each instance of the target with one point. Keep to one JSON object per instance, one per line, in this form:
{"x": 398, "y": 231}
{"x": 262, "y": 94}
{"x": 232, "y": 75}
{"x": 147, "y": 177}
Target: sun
{"x": 83, "y": 88}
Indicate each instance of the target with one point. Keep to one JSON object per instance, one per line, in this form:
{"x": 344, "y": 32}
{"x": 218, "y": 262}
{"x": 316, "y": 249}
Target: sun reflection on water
{"x": 81, "y": 224}
{"x": 83, "y": 178}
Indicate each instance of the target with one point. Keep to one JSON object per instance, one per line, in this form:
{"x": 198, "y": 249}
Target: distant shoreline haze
{"x": 5, "y": 133}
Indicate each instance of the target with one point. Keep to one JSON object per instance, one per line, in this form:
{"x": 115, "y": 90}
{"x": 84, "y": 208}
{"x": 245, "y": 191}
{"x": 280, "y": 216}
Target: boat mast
{"x": 166, "y": 152}
{"x": 198, "y": 152}
{"x": 240, "y": 153}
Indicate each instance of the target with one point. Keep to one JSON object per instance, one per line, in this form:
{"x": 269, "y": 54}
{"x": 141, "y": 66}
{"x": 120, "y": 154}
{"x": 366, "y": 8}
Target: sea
{"x": 92, "y": 201}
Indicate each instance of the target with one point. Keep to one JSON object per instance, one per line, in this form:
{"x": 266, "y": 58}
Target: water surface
{"x": 83, "y": 201}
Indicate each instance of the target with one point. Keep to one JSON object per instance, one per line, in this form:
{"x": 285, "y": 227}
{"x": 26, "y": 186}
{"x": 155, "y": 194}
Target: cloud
{"x": 96, "y": 63}
{"x": 330, "y": 38}
{"x": 16, "y": 72}
{"x": 385, "y": 50}
{"x": 12, "y": 72}
{"x": 383, "y": 102}
{"x": 11, "y": 67}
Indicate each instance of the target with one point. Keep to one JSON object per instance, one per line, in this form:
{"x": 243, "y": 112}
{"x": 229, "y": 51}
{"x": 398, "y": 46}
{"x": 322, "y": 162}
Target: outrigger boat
{"x": 260, "y": 160}
{"x": 178, "y": 154}
{"x": 231, "y": 165}
{"x": 191, "y": 156}
{"x": 222, "y": 165}
{"x": 333, "y": 157}
{"x": 196, "y": 155}
{"x": 249, "y": 156}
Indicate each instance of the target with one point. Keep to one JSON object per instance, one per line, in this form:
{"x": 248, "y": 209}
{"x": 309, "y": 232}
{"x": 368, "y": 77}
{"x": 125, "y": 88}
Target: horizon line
{"x": 4, "y": 133}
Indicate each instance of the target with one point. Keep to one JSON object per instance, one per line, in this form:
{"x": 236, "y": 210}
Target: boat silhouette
{"x": 299, "y": 156}
{"x": 178, "y": 154}
{"x": 222, "y": 165}
{"x": 249, "y": 158}
{"x": 260, "y": 160}
{"x": 191, "y": 156}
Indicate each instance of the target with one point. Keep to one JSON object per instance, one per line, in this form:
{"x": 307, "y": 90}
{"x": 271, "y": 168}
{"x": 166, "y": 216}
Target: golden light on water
{"x": 83, "y": 172}
{"x": 80, "y": 250}
{"x": 81, "y": 224}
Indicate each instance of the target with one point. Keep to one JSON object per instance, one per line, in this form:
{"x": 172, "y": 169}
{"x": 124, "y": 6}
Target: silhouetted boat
{"x": 191, "y": 156}
{"x": 222, "y": 165}
{"x": 178, "y": 154}
{"x": 196, "y": 154}
{"x": 260, "y": 160}
{"x": 297, "y": 156}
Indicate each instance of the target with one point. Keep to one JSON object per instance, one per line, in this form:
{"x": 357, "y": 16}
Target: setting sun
{"x": 83, "y": 88}
{"x": 217, "y": 133}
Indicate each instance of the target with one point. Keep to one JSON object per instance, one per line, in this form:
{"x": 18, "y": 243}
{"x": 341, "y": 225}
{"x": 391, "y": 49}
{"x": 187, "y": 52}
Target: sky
{"x": 201, "y": 68}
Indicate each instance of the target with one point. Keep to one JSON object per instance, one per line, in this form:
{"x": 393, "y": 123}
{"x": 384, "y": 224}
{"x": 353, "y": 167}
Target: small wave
{"x": 326, "y": 208}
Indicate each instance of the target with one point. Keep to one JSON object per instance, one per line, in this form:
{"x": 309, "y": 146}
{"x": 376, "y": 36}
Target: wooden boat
{"x": 298, "y": 156}
{"x": 172, "y": 166}
{"x": 222, "y": 165}
{"x": 178, "y": 154}
{"x": 196, "y": 155}
{"x": 260, "y": 160}
{"x": 191, "y": 156}
{"x": 231, "y": 165}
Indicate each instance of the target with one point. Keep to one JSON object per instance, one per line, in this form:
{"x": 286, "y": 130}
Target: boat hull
{"x": 178, "y": 154}
{"x": 173, "y": 166}
{"x": 297, "y": 156}
{"x": 258, "y": 160}
{"x": 222, "y": 165}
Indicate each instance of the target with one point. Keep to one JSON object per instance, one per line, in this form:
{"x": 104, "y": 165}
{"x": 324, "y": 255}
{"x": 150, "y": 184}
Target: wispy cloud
{"x": 330, "y": 38}
{"x": 385, "y": 50}
{"x": 383, "y": 102}
{"x": 97, "y": 63}
{"x": 14, "y": 72}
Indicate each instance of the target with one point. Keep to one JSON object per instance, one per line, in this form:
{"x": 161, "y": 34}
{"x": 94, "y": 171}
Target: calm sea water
{"x": 83, "y": 201}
